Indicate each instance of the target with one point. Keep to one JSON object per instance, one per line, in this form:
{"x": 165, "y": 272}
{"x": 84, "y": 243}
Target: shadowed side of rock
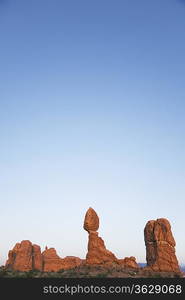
{"x": 37, "y": 260}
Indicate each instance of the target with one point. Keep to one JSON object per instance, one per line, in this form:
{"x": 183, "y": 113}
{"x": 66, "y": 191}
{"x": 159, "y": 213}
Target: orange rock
{"x": 24, "y": 257}
{"x": 70, "y": 262}
{"x": 51, "y": 261}
{"x": 97, "y": 252}
{"x": 160, "y": 246}
{"x": 91, "y": 222}
{"x": 129, "y": 262}
{"x": 37, "y": 263}
{"x": 12, "y": 256}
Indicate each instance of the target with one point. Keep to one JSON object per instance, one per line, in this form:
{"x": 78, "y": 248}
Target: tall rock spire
{"x": 160, "y": 246}
{"x": 97, "y": 252}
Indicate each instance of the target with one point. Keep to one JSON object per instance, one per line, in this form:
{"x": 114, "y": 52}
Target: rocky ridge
{"x": 159, "y": 241}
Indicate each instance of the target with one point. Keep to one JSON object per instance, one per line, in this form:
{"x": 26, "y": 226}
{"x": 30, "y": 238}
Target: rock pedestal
{"x": 97, "y": 252}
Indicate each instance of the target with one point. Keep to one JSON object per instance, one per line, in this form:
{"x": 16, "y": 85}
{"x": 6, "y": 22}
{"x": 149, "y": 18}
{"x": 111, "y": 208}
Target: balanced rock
{"x": 160, "y": 246}
{"x": 97, "y": 252}
{"x": 24, "y": 257}
{"x": 91, "y": 222}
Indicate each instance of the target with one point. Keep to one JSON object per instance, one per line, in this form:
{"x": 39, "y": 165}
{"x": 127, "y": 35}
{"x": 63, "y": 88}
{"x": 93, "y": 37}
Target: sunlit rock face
{"x": 160, "y": 246}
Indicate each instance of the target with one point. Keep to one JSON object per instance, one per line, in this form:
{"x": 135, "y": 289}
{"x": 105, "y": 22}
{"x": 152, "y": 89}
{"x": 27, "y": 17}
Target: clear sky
{"x": 92, "y": 113}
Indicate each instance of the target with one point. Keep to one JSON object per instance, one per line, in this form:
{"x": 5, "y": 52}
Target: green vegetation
{"x": 90, "y": 272}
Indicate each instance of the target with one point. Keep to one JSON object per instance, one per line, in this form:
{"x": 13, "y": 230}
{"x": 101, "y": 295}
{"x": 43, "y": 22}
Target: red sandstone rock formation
{"x": 52, "y": 262}
{"x": 91, "y": 222}
{"x": 160, "y": 251}
{"x": 97, "y": 252}
{"x": 37, "y": 263}
{"x": 70, "y": 262}
{"x": 160, "y": 246}
{"x": 129, "y": 262}
{"x": 24, "y": 257}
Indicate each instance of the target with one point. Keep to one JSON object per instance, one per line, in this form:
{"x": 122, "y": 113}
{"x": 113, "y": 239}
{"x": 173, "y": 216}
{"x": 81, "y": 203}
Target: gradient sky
{"x": 92, "y": 113}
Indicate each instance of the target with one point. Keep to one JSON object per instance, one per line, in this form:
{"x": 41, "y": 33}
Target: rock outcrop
{"x": 24, "y": 257}
{"x": 37, "y": 259}
{"x": 97, "y": 252}
{"x": 159, "y": 241}
{"x": 52, "y": 262}
{"x": 129, "y": 262}
{"x": 70, "y": 262}
{"x": 160, "y": 246}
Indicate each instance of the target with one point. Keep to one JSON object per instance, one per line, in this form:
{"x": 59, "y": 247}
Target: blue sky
{"x": 92, "y": 105}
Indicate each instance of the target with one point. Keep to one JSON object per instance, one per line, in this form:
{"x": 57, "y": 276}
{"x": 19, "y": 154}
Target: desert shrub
{"x": 3, "y": 271}
{"x": 102, "y": 275}
{"x": 157, "y": 275}
{"x": 61, "y": 271}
